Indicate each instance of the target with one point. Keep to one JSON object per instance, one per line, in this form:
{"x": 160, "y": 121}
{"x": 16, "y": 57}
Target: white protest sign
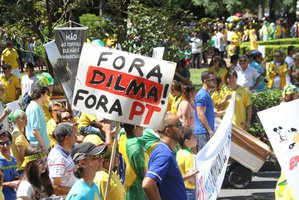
{"x": 158, "y": 52}
{"x": 262, "y": 49}
{"x": 281, "y": 124}
{"x": 211, "y": 160}
{"x": 122, "y": 86}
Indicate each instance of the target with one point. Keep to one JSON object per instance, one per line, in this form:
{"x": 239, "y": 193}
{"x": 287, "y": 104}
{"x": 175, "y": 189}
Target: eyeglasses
{"x": 5, "y": 143}
{"x": 242, "y": 60}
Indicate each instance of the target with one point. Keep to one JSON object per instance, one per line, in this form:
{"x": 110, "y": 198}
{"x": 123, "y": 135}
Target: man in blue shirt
{"x": 204, "y": 110}
{"x": 163, "y": 179}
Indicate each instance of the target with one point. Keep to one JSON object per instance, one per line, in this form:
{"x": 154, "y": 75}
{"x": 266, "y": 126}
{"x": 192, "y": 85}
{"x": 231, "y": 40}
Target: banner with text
{"x": 281, "y": 124}
{"x": 122, "y": 86}
{"x": 211, "y": 160}
{"x": 64, "y": 56}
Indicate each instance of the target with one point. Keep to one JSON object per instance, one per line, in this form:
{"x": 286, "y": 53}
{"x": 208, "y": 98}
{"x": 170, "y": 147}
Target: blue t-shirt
{"x": 36, "y": 120}
{"x": 259, "y": 68}
{"x": 83, "y": 191}
{"x": 10, "y": 174}
{"x": 203, "y": 98}
{"x": 163, "y": 168}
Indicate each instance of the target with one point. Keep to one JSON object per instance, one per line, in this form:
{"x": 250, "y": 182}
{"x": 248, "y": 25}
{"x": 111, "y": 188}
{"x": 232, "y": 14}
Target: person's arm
{"x": 201, "y": 116}
{"x": 39, "y": 138}
{"x": 12, "y": 184}
{"x": 21, "y": 152}
{"x": 18, "y": 93}
{"x": 184, "y": 110}
{"x": 58, "y": 189}
{"x": 151, "y": 189}
{"x": 106, "y": 127}
{"x": 5, "y": 113}
{"x": 190, "y": 174}
{"x": 258, "y": 80}
{"x": 248, "y": 117}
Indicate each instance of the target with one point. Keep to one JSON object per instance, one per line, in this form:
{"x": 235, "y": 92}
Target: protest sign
{"x": 211, "y": 160}
{"x": 122, "y": 86}
{"x": 158, "y": 52}
{"x": 64, "y": 54}
{"x": 281, "y": 124}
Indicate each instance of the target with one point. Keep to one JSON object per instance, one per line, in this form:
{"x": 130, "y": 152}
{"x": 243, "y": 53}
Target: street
{"x": 261, "y": 188}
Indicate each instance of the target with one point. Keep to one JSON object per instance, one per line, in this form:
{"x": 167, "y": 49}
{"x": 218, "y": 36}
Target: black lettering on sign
{"x": 78, "y": 96}
{"x": 103, "y": 58}
{"x": 137, "y": 64}
{"x": 133, "y": 85}
{"x": 121, "y": 65}
{"x": 116, "y": 107}
{"x": 155, "y": 72}
{"x": 98, "y": 77}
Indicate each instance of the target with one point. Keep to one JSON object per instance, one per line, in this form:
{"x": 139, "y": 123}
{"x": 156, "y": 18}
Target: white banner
{"x": 281, "y": 124}
{"x": 158, "y": 52}
{"x": 122, "y": 86}
{"x": 211, "y": 160}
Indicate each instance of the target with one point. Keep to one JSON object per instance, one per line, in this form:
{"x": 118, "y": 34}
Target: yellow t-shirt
{"x": 175, "y": 104}
{"x": 86, "y": 120}
{"x": 221, "y": 73}
{"x": 185, "y": 162}
{"x": 18, "y": 139}
{"x": 170, "y": 100}
{"x": 10, "y": 87}
{"x": 116, "y": 189}
{"x": 282, "y": 190}
{"x": 243, "y": 100}
{"x": 1, "y": 194}
{"x": 51, "y": 125}
{"x": 45, "y": 107}
{"x": 10, "y": 56}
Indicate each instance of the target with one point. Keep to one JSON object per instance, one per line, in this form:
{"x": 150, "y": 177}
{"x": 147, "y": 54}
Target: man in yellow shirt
{"x": 116, "y": 189}
{"x": 10, "y": 55}
{"x": 89, "y": 124}
{"x": 12, "y": 85}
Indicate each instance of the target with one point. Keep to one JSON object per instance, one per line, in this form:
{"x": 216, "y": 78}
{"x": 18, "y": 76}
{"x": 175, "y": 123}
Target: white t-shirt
{"x": 246, "y": 78}
{"x": 196, "y": 44}
{"x": 4, "y": 125}
{"x": 28, "y": 84}
{"x": 25, "y": 189}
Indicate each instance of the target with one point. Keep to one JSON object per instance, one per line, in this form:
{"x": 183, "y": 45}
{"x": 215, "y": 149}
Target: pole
{"x": 114, "y": 147}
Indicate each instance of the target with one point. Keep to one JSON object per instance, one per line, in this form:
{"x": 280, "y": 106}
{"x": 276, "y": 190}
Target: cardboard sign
{"x": 281, "y": 124}
{"x": 122, "y": 86}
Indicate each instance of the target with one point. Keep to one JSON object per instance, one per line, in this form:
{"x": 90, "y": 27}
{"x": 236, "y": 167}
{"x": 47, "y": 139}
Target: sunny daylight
{"x": 149, "y": 99}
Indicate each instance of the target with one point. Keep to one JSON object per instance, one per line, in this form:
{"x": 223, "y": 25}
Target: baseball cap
{"x": 81, "y": 150}
{"x": 94, "y": 139}
{"x": 289, "y": 89}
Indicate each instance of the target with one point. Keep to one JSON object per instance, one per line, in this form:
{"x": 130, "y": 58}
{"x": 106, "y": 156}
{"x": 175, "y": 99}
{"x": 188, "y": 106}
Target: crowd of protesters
{"x": 47, "y": 152}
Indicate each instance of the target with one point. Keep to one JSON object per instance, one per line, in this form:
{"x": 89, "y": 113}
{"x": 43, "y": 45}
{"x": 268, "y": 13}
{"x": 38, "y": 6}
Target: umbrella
{"x": 232, "y": 18}
{"x": 238, "y": 14}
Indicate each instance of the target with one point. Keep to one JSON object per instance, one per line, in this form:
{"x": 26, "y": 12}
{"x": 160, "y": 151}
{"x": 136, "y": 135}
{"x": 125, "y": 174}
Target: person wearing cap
{"x": 88, "y": 159}
{"x": 163, "y": 180}
{"x": 36, "y": 129}
{"x": 295, "y": 70}
{"x": 60, "y": 162}
{"x": 12, "y": 85}
{"x": 19, "y": 141}
{"x": 260, "y": 66}
{"x": 289, "y": 93}
{"x": 277, "y": 71}
{"x": 10, "y": 55}
{"x": 9, "y": 167}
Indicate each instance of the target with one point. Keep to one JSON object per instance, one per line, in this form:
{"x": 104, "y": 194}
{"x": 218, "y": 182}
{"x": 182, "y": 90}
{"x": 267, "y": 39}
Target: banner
{"x": 122, "y": 86}
{"x": 211, "y": 160}
{"x": 281, "y": 124}
{"x": 64, "y": 54}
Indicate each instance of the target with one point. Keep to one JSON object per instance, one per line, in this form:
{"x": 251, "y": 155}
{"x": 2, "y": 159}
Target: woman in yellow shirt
{"x": 217, "y": 68}
{"x": 19, "y": 142}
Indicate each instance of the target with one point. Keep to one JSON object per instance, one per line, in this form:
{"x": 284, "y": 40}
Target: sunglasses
{"x": 5, "y": 143}
{"x": 96, "y": 157}
{"x": 211, "y": 79}
{"x": 242, "y": 60}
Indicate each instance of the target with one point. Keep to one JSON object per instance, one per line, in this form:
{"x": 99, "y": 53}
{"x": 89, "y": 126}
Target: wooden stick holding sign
{"x": 112, "y": 158}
